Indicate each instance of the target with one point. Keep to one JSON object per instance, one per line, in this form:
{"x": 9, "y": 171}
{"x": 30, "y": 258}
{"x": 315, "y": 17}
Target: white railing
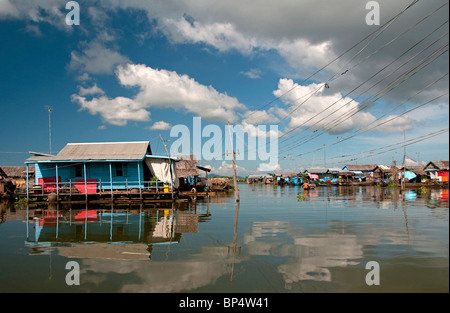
{"x": 90, "y": 186}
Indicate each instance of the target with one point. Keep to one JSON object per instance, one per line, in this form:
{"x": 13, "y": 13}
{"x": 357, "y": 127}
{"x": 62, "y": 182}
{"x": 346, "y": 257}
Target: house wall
{"x": 443, "y": 175}
{"x": 98, "y": 171}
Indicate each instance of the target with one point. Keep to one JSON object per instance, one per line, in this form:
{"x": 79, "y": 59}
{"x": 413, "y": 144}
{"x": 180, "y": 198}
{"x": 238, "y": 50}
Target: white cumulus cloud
{"x": 117, "y": 111}
{"x": 310, "y": 106}
{"x": 160, "y": 89}
{"x": 168, "y": 89}
{"x": 300, "y": 53}
{"x": 160, "y": 125}
{"x": 96, "y": 58}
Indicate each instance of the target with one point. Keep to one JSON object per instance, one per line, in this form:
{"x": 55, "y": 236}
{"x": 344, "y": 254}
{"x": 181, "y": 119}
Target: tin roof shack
{"x": 346, "y": 178}
{"x": 385, "y": 173}
{"x": 90, "y": 168}
{"x": 259, "y": 178}
{"x": 362, "y": 173}
{"x": 188, "y": 173}
{"x": 438, "y": 170}
{"x": 414, "y": 174}
{"x": 321, "y": 174}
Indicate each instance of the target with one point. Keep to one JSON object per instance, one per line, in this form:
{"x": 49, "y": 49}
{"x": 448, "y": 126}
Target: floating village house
{"x": 438, "y": 170}
{"x": 317, "y": 173}
{"x": 188, "y": 173}
{"x": 105, "y": 167}
{"x": 17, "y": 175}
{"x": 260, "y": 178}
{"x": 362, "y": 172}
{"x": 286, "y": 178}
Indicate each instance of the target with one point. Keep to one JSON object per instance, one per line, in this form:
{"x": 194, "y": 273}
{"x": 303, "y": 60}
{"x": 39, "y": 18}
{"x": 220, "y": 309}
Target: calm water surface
{"x": 278, "y": 243}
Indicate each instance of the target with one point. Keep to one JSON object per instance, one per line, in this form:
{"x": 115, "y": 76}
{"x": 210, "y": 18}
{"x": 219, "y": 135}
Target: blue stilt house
{"x": 104, "y": 166}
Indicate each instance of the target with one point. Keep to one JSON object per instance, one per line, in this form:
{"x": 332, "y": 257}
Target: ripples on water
{"x": 278, "y": 243}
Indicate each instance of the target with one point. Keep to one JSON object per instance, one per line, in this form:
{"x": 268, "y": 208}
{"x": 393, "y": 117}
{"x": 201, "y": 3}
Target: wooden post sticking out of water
{"x": 236, "y": 189}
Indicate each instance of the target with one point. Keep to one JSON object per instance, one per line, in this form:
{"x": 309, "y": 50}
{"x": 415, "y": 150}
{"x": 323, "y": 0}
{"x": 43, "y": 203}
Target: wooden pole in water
{"x": 111, "y": 181}
{"x": 28, "y": 188}
{"x": 404, "y": 160}
{"x": 236, "y": 189}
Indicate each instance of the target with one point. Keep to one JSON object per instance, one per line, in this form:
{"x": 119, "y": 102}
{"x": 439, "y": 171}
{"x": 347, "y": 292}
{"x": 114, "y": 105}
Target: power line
{"x": 336, "y": 75}
{"x": 387, "y": 121}
{"x": 396, "y": 146}
{"x": 386, "y": 66}
{"x": 391, "y": 147}
{"x": 392, "y": 84}
{"x": 382, "y": 28}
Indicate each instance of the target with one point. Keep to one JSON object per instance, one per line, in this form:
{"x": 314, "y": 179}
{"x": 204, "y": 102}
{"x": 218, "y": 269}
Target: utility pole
{"x": 49, "y": 109}
{"x": 236, "y": 189}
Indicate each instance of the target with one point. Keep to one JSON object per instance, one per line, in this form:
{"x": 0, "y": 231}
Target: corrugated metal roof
{"x": 355, "y": 167}
{"x": 99, "y": 151}
{"x": 316, "y": 170}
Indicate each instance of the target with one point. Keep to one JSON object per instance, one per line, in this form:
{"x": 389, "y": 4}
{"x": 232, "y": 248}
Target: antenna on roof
{"x": 49, "y": 109}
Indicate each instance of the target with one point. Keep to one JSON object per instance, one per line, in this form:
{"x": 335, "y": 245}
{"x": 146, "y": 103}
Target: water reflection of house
{"x": 108, "y": 233}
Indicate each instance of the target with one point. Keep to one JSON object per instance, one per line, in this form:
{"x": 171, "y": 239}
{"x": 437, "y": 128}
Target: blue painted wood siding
{"x": 97, "y": 170}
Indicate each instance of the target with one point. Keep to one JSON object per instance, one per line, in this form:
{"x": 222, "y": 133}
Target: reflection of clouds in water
{"x": 265, "y": 230}
{"x": 308, "y": 247}
{"x": 339, "y": 244}
{"x": 315, "y": 255}
{"x": 163, "y": 276}
{"x": 310, "y": 256}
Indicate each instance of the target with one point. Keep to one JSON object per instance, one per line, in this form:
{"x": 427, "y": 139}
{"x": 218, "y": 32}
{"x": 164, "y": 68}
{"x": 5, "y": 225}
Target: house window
{"x": 119, "y": 169}
{"x": 78, "y": 170}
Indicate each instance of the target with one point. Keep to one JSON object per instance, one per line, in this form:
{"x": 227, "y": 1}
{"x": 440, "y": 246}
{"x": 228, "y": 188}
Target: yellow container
{"x": 166, "y": 188}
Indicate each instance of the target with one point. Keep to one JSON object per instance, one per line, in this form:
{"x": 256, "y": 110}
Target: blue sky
{"x": 132, "y": 70}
